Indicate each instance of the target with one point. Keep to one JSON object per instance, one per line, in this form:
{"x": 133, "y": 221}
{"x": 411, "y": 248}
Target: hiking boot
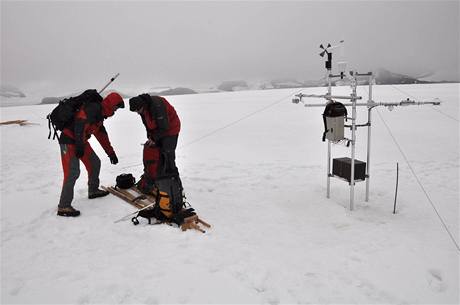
{"x": 97, "y": 193}
{"x": 68, "y": 212}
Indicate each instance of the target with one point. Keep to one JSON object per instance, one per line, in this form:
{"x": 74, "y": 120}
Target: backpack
{"x": 170, "y": 203}
{"x": 170, "y": 196}
{"x": 156, "y": 213}
{"x": 334, "y": 120}
{"x": 63, "y": 114}
{"x": 125, "y": 181}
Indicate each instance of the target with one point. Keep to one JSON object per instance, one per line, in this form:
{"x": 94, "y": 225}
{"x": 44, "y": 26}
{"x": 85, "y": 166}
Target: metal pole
{"x": 110, "y": 81}
{"x": 373, "y": 104}
{"x": 369, "y": 117}
{"x": 328, "y": 191}
{"x": 345, "y": 104}
{"x": 396, "y": 190}
{"x": 353, "y": 140}
{"x": 329, "y": 96}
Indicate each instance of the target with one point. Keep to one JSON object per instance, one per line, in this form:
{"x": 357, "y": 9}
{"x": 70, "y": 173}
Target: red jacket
{"x": 153, "y": 132}
{"x": 89, "y": 120}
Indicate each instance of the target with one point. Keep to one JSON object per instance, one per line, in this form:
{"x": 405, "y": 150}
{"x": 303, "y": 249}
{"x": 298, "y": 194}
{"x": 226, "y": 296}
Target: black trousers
{"x": 167, "y": 166}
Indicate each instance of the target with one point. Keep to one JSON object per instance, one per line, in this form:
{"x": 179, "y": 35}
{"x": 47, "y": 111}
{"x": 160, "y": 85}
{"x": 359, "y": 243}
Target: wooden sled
{"x": 143, "y": 201}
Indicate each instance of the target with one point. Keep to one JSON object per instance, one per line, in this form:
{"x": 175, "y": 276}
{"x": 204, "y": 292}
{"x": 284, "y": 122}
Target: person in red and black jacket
{"x": 163, "y": 126}
{"x": 74, "y": 146}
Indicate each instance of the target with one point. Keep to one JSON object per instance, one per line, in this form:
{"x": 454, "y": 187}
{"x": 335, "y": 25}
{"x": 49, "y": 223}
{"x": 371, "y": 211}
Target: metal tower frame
{"x": 353, "y": 98}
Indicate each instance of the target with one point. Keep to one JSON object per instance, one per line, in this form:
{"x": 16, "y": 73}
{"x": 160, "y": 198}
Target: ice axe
{"x": 111, "y": 80}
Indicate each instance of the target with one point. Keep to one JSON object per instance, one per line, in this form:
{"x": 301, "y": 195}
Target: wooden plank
{"x": 20, "y": 122}
{"x": 150, "y": 198}
{"x": 138, "y": 198}
{"x": 203, "y": 222}
{"x": 125, "y": 198}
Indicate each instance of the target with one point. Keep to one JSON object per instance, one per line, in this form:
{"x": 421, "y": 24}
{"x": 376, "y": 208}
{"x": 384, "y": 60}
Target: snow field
{"x": 259, "y": 177}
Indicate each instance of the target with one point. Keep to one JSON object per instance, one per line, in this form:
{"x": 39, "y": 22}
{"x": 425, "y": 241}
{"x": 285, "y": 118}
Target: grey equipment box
{"x": 335, "y": 128}
{"x": 334, "y": 120}
{"x": 341, "y": 167}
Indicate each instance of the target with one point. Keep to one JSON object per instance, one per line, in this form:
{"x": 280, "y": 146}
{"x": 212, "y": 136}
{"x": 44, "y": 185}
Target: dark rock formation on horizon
{"x": 50, "y": 100}
{"x": 286, "y": 83}
{"x": 10, "y": 91}
{"x": 385, "y": 77}
{"x": 233, "y": 85}
{"x": 177, "y": 91}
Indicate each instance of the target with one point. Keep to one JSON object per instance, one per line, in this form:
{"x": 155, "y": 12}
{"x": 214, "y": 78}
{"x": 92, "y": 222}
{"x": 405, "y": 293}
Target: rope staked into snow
{"x": 435, "y": 108}
{"x": 232, "y": 123}
{"x": 419, "y": 182}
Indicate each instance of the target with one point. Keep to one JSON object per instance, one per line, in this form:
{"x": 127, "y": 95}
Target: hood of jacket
{"x": 110, "y": 103}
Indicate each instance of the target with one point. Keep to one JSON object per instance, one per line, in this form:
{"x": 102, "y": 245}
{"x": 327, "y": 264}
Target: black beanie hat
{"x": 135, "y": 103}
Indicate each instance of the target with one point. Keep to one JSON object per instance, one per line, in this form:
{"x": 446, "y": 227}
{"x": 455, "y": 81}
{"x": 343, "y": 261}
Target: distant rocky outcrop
{"x": 385, "y": 77}
{"x": 56, "y": 99}
{"x": 233, "y": 85}
{"x": 10, "y": 91}
{"x": 51, "y": 100}
{"x": 382, "y": 77}
{"x": 177, "y": 91}
{"x": 286, "y": 83}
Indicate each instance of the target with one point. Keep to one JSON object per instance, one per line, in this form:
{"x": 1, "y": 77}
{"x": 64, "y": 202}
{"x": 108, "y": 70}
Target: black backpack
{"x": 63, "y": 114}
{"x": 125, "y": 181}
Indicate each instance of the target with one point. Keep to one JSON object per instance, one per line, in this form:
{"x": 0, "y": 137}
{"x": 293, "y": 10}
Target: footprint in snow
{"x": 435, "y": 281}
{"x": 15, "y": 291}
{"x": 341, "y": 225}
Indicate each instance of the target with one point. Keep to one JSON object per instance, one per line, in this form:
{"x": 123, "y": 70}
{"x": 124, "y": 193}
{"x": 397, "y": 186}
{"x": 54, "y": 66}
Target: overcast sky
{"x": 202, "y": 43}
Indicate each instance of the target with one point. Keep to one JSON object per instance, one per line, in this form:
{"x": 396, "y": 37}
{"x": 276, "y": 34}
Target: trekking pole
{"x": 111, "y": 80}
{"x": 131, "y": 214}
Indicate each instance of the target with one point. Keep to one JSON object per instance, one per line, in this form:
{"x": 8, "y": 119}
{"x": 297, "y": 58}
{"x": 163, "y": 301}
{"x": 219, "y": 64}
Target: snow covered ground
{"x": 253, "y": 165}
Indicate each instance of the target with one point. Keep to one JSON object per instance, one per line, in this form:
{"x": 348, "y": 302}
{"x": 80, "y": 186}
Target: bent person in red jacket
{"x": 74, "y": 146}
{"x": 163, "y": 126}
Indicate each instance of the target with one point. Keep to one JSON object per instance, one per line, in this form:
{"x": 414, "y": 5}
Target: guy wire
{"x": 231, "y": 123}
{"x": 418, "y": 181}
